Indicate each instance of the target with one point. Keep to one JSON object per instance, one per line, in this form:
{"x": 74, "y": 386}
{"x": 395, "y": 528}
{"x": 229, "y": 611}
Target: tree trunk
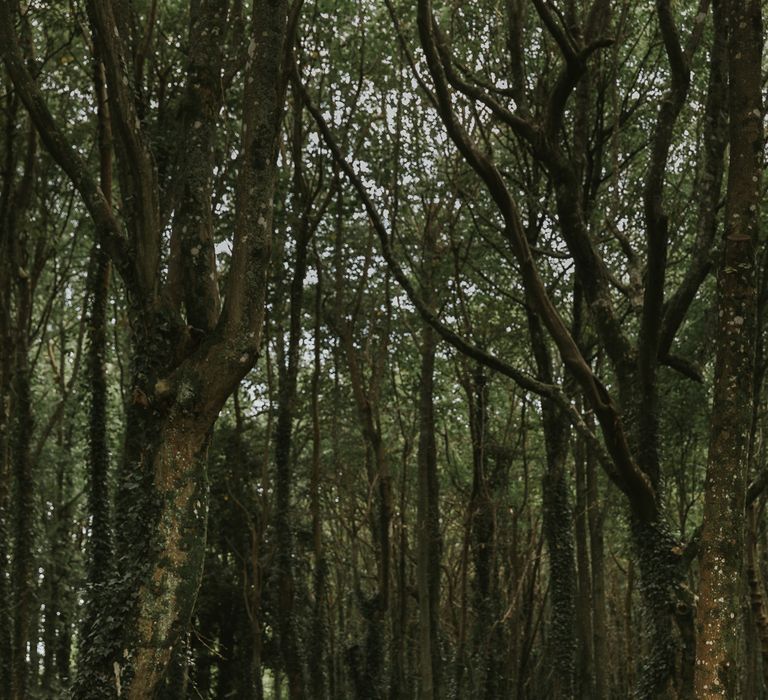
{"x": 720, "y": 642}
{"x": 558, "y": 530}
{"x": 6, "y": 365}
{"x": 660, "y": 586}
{"x": 481, "y": 546}
{"x": 100, "y": 563}
{"x": 318, "y": 677}
{"x": 597, "y": 561}
{"x": 374, "y": 608}
{"x": 287, "y": 614}
{"x": 168, "y": 565}
{"x": 584, "y": 608}
{"x": 22, "y": 583}
{"x": 428, "y": 529}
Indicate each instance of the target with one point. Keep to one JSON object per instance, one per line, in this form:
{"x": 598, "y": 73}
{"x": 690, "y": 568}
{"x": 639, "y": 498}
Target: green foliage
{"x": 501, "y": 606}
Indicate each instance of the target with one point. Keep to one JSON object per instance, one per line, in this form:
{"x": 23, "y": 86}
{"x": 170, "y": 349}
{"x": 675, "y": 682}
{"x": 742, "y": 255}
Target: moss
{"x": 661, "y": 581}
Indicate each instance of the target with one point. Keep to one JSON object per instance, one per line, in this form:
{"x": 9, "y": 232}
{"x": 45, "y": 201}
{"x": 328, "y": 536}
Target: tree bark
{"x": 22, "y": 582}
{"x": 720, "y": 624}
{"x": 558, "y": 530}
{"x": 318, "y": 676}
{"x": 485, "y": 652}
{"x": 287, "y": 615}
{"x": 584, "y": 607}
{"x": 597, "y": 563}
{"x": 428, "y": 511}
{"x": 100, "y": 561}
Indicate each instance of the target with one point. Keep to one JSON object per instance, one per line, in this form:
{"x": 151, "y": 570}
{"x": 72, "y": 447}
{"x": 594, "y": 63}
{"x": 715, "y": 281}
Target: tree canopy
{"x": 382, "y": 350}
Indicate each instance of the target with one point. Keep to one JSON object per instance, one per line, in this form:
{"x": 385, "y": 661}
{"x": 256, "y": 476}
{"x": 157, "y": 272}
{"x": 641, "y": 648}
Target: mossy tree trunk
{"x": 558, "y": 529}
{"x": 100, "y": 543}
{"x": 23, "y": 277}
{"x": 9, "y": 337}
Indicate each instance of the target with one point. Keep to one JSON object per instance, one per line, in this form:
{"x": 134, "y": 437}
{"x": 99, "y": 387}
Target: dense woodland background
{"x": 374, "y": 350}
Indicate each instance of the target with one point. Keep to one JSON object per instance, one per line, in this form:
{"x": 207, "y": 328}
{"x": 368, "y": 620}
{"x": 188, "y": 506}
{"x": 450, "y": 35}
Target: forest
{"x": 383, "y": 350}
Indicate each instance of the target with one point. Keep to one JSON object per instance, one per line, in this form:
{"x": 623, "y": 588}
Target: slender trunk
{"x": 597, "y": 561}
{"x": 428, "y": 510}
{"x": 318, "y": 678}
{"x": 94, "y": 667}
{"x": 558, "y": 530}
{"x": 372, "y": 680}
{"x": 17, "y": 512}
{"x": 6, "y": 365}
{"x": 100, "y": 558}
{"x": 94, "y": 671}
{"x": 460, "y": 661}
{"x": 482, "y": 545}
{"x": 559, "y": 534}
{"x": 288, "y": 618}
{"x": 585, "y": 678}
{"x": 428, "y": 529}
{"x": 398, "y": 613}
{"x": 59, "y": 602}
{"x": 22, "y": 583}
{"x": 67, "y": 605}
{"x": 247, "y": 661}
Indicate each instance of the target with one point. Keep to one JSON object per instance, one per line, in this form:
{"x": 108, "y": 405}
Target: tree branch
{"x": 620, "y": 465}
{"x": 108, "y": 230}
{"x": 138, "y": 179}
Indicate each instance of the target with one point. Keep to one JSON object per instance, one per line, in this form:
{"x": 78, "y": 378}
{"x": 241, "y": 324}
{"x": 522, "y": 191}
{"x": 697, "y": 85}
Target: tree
{"x": 720, "y": 641}
{"x": 188, "y": 354}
